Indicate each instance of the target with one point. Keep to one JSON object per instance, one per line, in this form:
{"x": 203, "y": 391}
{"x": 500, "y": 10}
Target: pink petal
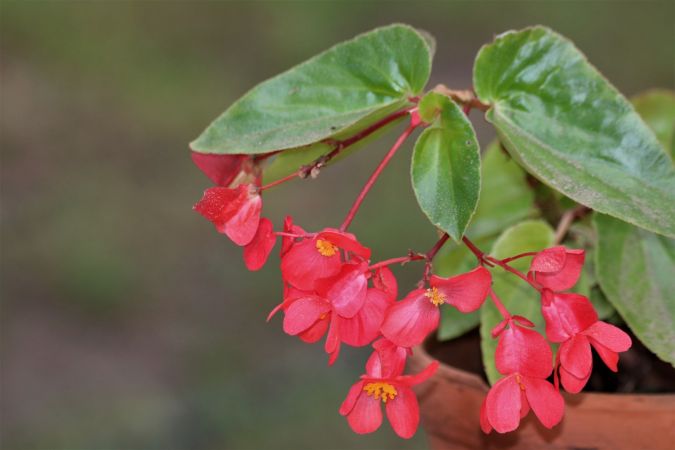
{"x": 332, "y": 345}
{"x": 218, "y": 204}
{"x": 609, "y": 336}
{"x": 467, "y": 291}
{"x": 374, "y": 365}
{"x": 575, "y": 356}
{"x": 346, "y": 291}
{"x": 221, "y": 169}
{"x": 391, "y": 359}
{"x": 566, "y": 314}
{"x": 563, "y": 278}
{"x": 259, "y": 249}
{"x": 421, "y": 377}
{"x": 242, "y": 226}
{"x": 572, "y": 384}
{"x": 384, "y": 280}
{"x": 366, "y": 415}
{"x": 403, "y": 412}
{"x": 303, "y": 265}
{"x": 524, "y": 351}
{"x": 354, "y": 392}
{"x": 316, "y": 331}
{"x": 549, "y": 260}
{"x": 409, "y": 321}
{"x": 346, "y": 242}
{"x": 547, "y": 403}
{"x": 484, "y": 422}
{"x": 609, "y": 357}
{"x": 503, "y": 404}
{"x": 524, "y": 321}
{"x": 303, "y": 312}
{"x": 364, "y": 327}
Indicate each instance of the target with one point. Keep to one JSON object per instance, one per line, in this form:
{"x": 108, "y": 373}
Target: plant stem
{"x": 516, "y": 272}
{"x": 437, "y": 246}
{"x": 378, "y": 170}
{"x": 399, "y": 260}
{"x": 566, "y": 222}
{"x": 522, "y": 255}
{"x": 279, "y": 181}
{"x": 500, "y": 306}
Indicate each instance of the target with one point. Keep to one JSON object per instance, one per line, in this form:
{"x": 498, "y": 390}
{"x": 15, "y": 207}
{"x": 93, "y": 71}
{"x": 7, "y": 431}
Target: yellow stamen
{"x": 326, "y": 248}
{"x": 520, "y": 382}
{"x": 435, "y": 296}
{"x": 380, "y": 391}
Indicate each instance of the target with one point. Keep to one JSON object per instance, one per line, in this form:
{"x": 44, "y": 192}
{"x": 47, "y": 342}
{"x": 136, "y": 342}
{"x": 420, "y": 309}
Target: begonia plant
{"x": 576, "y": 172}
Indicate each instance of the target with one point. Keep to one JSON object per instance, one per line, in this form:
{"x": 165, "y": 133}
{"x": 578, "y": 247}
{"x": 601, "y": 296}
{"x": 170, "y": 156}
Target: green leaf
{"x": 517, "y": 296}
{"x": 445, "y": 168}
{"x": 657, "y": 109}
{"x": 569, "y": 127}
{"x": 636, "y": 271}
{"x": 505, "y": 199}
{"x": 337, "y": 89}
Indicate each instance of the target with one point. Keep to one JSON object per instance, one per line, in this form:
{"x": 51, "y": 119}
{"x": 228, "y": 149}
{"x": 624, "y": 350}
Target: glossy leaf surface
{"x": 568, "y": 126}
{"x": 445, "y": 168}
{"x": 325, "y": 95}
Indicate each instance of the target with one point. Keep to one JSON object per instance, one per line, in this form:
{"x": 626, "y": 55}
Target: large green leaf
{"x": 517, "y": 296}
{"x": 505, "y": 199}
{"x": 657, "y": 109}
{"x": 573, "y": 130}
{"x": 337, "y": 89}
{"x": 445, "y": 168}
{"x": 636, "y": 271}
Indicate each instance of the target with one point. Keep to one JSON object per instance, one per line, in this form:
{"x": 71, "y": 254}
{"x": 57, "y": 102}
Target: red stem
{"x": 516, "y": 272}
{"x": 500, "y": 306}
{"x": 279, "y": 181}
{"x": 378, "y": 170}
{"x": 522, "y": 255}
{"x": 431, "y": 253}
{"x": 399, "y": 260}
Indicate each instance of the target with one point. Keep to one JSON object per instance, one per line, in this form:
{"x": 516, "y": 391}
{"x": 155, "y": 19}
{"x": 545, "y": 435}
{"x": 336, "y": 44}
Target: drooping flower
{"x": 525, "y": 359}
{"x": 234, "y": 212}
{"x": 258, "y": 250}
{"x": 409, "y": 321}
{"x": 229, "y": 170}
{"x": 384, "y": 382}
{"x": 557, "y": 268}
{"x": 566, "y": 314}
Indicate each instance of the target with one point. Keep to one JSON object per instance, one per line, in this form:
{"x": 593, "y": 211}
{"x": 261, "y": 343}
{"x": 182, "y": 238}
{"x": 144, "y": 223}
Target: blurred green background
{"x": 127, "y": 321}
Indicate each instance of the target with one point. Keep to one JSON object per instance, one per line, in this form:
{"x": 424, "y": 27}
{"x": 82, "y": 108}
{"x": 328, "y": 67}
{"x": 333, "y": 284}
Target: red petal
{"x": 403, "y": 412}
{"x": 565, "y": 276}
{"x": 547, "y": 403}
{"x": 218, "y": 204}
{"x": 467, "y": 291}
{"x": 409, "y": 321}
{"x": 384, "y": 280}
{"x": 391, "y": 358}
{"x": 365, "y": 325}
{"x": 575, "y": 356}
{"x": 572, "y": 384}
{"x": 484, "y": 422}
{"x": 316, "y": 331}
{"x": 303, "y": 265}
{"x": 221, "y": 169}
{"x": 366, "y": 415}
{"x": 524, "y": 351}
{"x": 609, "y": 336}
{"x": 242, "y": 226}
{"x": 421, "y": 377}
{"x": 503, "y": 405}
{"x": 549, "y": 260}
{"x": 352, "y": 396}
{"x": 566, "y": 315}
{"x": 524, "y": 321}
{"x": 259, "y": 249}
{"x": 346, "y": 242}
{"x": 609, "y": 357}
{"x": 332, "y": 344}
{"x": 303, "y": 312}
{"x": 346, "y": 291}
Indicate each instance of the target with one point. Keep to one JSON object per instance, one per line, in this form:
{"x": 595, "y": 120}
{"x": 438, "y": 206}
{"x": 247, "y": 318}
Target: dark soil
{"x": 640, "y": 371}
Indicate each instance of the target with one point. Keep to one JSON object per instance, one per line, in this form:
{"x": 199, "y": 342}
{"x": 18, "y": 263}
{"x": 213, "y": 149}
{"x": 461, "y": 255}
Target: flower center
{"x": 519, "y": 380}
{"x": 380, "y": 390}
{"x": 326, "y": 248}
{"x": 435, "y": 296}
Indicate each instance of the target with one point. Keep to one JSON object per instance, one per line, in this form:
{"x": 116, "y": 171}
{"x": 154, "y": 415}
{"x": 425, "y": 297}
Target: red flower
{"x": 557, "y": 268}
{"x": 311, "y": 259}
{"x": 228, "y": 170}
{"x": 576, "y": 362}
{"x": 384, "y": 280}
{"x": 409, "y": 321}
{"x": 566, "y": 314}
{"x": 384, "y": 382}
{"x": 258, "y": 250}
{"x": 234, "y": 212}
{"x": 524, "y": 356}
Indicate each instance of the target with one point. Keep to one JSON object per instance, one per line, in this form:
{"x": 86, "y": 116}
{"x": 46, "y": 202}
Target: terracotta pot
{"x": 450, "y": 403}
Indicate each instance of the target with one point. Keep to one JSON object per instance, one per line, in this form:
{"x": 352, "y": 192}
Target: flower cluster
{"x": 333, "y": 289}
